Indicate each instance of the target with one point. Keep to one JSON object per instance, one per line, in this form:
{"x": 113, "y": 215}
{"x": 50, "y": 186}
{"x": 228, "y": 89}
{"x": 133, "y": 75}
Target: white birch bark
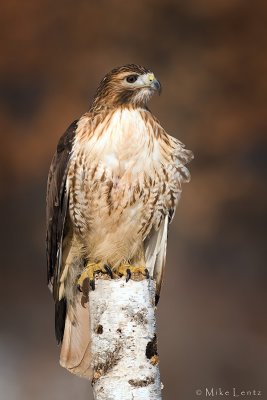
{"x": 124, "y": 343}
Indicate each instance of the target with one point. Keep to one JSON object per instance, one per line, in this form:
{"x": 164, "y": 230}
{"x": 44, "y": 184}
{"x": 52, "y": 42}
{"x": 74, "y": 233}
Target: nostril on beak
{"x": 151, "y": 77}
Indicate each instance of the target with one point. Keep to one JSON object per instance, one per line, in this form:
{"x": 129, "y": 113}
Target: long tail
{"x": 75, "y": 353}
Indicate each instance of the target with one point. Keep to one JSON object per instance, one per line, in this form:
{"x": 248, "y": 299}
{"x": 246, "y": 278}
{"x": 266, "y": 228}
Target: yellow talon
{"x": 89, "y": 273}
{"x": 128, "y": 271}
{"x": 154, "y": 360}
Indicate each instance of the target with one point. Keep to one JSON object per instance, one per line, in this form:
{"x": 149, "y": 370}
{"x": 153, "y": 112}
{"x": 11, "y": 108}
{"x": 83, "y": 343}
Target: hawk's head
{"x": 130, "y": 84}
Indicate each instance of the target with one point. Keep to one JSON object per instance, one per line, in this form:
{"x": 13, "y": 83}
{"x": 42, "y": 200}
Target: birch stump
{"x": 124, "y": 342}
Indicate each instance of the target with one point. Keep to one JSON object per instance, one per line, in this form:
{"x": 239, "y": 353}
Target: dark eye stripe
{"x": 131, "y": 78}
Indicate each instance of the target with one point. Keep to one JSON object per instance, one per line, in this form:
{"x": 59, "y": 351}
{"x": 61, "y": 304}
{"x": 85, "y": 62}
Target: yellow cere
{"x": 151, "y": 77}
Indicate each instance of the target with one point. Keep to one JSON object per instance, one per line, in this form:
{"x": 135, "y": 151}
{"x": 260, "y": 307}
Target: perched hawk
{"x": 113, "y": 187}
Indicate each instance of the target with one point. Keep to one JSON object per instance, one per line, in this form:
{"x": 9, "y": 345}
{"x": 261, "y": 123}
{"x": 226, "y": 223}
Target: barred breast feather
{"x": 124, "y": 177}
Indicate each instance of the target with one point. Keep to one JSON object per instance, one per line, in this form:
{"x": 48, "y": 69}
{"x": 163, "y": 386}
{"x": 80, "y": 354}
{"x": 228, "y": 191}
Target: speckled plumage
{"x": 122, "y": 181}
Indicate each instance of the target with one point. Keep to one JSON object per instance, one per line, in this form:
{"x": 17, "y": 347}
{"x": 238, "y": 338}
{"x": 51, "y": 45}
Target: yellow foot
{"x": 154, "y": 360}
{"x": 89, "y": 273}
{"x": 130, "y": 271}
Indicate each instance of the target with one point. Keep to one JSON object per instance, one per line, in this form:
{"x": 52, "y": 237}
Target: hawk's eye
{"x": 131, "y": 78}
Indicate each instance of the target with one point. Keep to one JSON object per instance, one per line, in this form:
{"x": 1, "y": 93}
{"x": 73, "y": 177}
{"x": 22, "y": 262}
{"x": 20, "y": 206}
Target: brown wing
{"x": 57, "y": 205}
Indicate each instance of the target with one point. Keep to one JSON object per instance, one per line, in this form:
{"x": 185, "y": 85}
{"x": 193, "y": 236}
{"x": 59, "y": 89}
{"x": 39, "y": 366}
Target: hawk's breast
{"x": 122, "y": 178}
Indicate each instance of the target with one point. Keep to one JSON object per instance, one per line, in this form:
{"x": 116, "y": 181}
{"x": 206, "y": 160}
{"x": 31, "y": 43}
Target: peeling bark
{"x": 124, "y": 348}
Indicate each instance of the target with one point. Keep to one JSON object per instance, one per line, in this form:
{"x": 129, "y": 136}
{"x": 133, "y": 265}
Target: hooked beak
{"x": 154, "y": 83}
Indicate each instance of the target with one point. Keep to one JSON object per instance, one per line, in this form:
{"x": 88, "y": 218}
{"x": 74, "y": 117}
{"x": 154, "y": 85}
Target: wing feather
{"x": 155, "y": 253}
{"x": 57, "y": 205}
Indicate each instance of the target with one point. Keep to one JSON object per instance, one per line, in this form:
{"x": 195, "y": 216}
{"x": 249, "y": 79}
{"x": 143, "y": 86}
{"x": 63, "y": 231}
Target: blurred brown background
{"x": 211, "y": 59}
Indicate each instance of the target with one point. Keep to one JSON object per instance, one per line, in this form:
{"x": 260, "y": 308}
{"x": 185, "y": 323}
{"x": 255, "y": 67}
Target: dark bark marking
{"x": 151, "y": 348}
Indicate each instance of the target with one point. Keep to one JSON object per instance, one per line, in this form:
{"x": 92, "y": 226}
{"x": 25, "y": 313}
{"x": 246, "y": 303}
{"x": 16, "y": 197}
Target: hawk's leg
{"x": 131, "y": 271}
{"x": 89, "y": 273}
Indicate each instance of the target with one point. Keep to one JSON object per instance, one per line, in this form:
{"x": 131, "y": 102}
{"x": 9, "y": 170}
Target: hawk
{"x": 113, "y": 187}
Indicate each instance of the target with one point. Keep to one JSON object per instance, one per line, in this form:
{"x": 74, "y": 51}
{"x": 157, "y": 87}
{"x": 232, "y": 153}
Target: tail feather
{"x": 60, "y": 317}
{"x": 75, "y": 353}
